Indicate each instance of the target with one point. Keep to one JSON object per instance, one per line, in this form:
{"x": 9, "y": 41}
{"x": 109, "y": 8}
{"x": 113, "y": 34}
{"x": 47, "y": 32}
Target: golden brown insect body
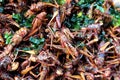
{"x": 49, "y": 57}
{"x": 6, "y": 20}
{"x": 66, "y": 43}
{"x": 1, "y": 41}
{"x": 36, "y": 24}
{"x": 18, "y": 36}
{"x": 37, "y": 7}
{"x": 98, "y": 15}
{"x": 16, "y": 39}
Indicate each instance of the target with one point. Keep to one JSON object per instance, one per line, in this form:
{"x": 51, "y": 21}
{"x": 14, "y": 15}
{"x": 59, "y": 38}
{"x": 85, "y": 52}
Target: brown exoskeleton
{"x": 1, "y": 41}
{"x": 16, "y": 39}
{"x": 66, "y": 43}
{"x": 36, "y": 24}
{"x": 6, "y": 20}
{"x": 37, "y": 7}
{"x": 47, "y": 58}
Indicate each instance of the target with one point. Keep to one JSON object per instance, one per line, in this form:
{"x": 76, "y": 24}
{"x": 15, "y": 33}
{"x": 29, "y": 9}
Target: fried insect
{"x": 101, "y": 16}
{"x": 11, "y": 7}
{"x": 37, "y": 7}
{"x": 46, "y": 58}
{"x": 19, "y": 35}
{"x": 6, "y": 51}
{"x": 89, "y": 76}
{"x": 101, "y": 54}
{"x": 69, "y": 51}
{"x": 43, "y": 73}
{"x": 100, "y": 59}
{"x": 4, "y": 62}
{"x": 14, "y": 66}
{"x": 66, "y": 43}
{"x": 5, "y": 76}
{"x": 16, "y": 39}
{"x": 1, "y": 41}
{"x": 25, "y": 71}
{"x": 6, "y": 20}
{"x": 36, "y": 24}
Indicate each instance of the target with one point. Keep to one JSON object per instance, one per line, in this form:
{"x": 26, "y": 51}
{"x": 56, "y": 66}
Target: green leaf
{"x": 17, "y": 17}
{"x": 8, "y": 37}
{"x": 100, "y": 8}
{"x": 81, "y": 2}
{"x": 26, "y": 48}
{"x": 77, "y": 21}
{"x": 47, "y": 1}
{"x": 80, "y": 44}
{"x": 20, "y": 19}
{"x": 79, "y": 14}
{"x": 77, "y": 25}
{"x": 1, "y": 9}
{"x": 116, "y": 17}
{"x": 28, "y": 22}
{"x": 116, "y": 22}
{"x": 36, "y": 41}
{"x": 85, "y": 3}
{"x": 61, "y": 2}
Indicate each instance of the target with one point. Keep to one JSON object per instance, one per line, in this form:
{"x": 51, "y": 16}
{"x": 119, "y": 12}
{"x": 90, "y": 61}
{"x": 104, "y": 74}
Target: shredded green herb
{"x": 8, "y": 37}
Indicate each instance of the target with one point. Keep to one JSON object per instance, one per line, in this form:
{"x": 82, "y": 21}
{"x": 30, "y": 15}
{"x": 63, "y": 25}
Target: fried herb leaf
{"x": 8, "y": 37}
{"x": 36, "y": 41}
{"x": 116, "y": 17}
{"x": 19, "y": 18}
{"x": 78, "y": 21}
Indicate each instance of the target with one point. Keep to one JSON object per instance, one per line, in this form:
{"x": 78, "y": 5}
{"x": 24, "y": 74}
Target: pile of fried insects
{"x": 59, "y": 39}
